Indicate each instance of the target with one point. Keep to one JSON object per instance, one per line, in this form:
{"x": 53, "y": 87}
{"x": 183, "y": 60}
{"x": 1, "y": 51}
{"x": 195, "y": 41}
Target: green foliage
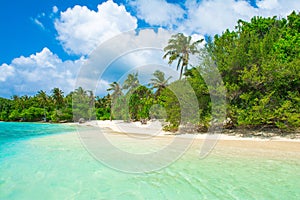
{"x": 171, "y": 128}
{"x": 131, "y": 82}
{"x": 103, "y": 108}
{"x": 259, "y": 63}
{"x": 172, "y": 106}
{"x": 32, "y": 114}
{"x": 83, "y": 104}
{"x": 103, "y": 113}
{"x": 140, "y": 102}
{"x": 5, "y": 109}
{"x": 180, "y": 103}
{"x": 14, "y": 116}
{"x": 54, "y": 108}
{"x": 159, "y": 82}
{"x": 58, "y": 97}
{"x": 119, "y": 108}
{"x": 157, "y": 111}
{"x": 201, "y": 91}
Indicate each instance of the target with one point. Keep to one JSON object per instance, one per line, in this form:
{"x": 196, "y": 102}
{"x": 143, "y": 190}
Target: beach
{"x": 154, "y": 128}
{"x": 146, "y": 139}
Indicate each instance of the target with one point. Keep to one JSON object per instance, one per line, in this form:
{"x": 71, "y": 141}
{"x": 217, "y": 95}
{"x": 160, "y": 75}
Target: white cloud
{"x": 267, "y": 4}
{"x": 281, "y": 8}
{"x": 102, "y": 86}
{"x": 158, "y": 12}
{"x": 5, "y": 72}
{"x": 196, "y": 37}
{"x": 208, "y": 16}
{"x": 45, "y": 70}
{"x": 214, "y": 16}
{"x": 80, "y": 30}
{"x": 148, "y": 56}
{"x": 127, "y": 53}
{"x": 54, "y": 9}
{"x": 38, "y": 22}
{"x": 41, "y": 71}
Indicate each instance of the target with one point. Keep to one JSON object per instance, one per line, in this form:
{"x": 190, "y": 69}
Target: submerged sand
{"x": 142, "y": 139}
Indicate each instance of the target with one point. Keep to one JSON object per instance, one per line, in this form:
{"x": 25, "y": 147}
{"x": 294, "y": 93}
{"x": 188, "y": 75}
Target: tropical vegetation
{"x": 258, "y": 62}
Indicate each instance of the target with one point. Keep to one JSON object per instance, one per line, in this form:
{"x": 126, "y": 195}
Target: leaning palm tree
{"x": 159, "y": 81}
{"x": 131, "y": 82}
{"x": 116, "y": 88}
{"x": 117, "y": 92}
{"x": 179, "y": 48}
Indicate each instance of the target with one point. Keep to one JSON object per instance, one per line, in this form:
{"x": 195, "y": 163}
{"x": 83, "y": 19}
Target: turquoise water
{"x": 13, "y": 131}
{"x": 38, "y": 163}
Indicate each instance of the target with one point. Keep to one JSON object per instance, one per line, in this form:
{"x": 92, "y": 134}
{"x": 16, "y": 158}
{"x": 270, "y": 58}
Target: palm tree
{"x": 180, "y": 47}
{"x": 91, "y": 98}
{"x": 24, "y": 101}
{"x": 116, "y": 88}
{"x": 58, "y": 97}
{"x": 81, "y": 106}
{"x": 117, "y": 92}
{"x": 159, "y": 81}
{"x": 15, "y": 97}
{"x": 43, "y": 98}
{"x": 80, "y": 93}
{"x": 17, "y": 102}
{"x": 131, "y": 82}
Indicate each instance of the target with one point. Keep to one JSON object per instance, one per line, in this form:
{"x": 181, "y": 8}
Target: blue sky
{"x": 44, "y": 44}
{"x": 21, "y": 35}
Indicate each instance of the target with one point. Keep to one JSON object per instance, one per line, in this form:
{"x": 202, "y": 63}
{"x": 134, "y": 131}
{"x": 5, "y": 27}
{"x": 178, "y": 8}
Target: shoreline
{"x": 154, "y": 129}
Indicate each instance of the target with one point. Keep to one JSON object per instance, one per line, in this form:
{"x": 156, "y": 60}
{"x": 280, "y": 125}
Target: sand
{"x": 154, "y": 128}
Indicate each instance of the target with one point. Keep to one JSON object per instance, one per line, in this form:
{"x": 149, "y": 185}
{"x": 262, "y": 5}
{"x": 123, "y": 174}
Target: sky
{"x": 52, "y": 43}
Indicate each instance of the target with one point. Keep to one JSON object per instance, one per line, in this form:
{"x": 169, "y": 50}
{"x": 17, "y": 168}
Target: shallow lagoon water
{"x": 55, "y": 165}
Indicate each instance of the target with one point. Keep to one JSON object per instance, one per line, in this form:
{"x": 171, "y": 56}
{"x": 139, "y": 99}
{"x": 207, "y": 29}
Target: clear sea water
{"x": 46, "y": 161}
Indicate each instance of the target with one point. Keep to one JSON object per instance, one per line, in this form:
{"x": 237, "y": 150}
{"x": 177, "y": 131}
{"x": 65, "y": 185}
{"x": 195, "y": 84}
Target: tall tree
{"x": 102, "y": 106}
{"x": 140, "y": 102}
{"x": 117, "y": 92}
{"x": 116, "y": 88}
{"x": 159, "y": 81}
{"x": 131, "y": 82}
{"x": 43, "y": 100}
{"x": 58, "y": 97}
{"x": 180, "y": 47}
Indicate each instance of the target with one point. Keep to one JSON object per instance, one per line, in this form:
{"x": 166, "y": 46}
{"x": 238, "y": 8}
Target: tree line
{"x": 258, "y": 61}
{"x": 55, "y": 107}
{"x": 81, "y": 103}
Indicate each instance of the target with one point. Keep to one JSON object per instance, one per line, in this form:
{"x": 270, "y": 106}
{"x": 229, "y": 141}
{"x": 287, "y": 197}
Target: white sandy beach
{"x": 154, "y": 128}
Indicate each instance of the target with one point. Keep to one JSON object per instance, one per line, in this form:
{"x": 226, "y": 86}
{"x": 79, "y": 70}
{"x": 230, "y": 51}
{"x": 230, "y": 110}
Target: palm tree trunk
{"x": 45, "y": 119}
{"x": 110, "y": 117}
{"x": 181, "y": 71}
